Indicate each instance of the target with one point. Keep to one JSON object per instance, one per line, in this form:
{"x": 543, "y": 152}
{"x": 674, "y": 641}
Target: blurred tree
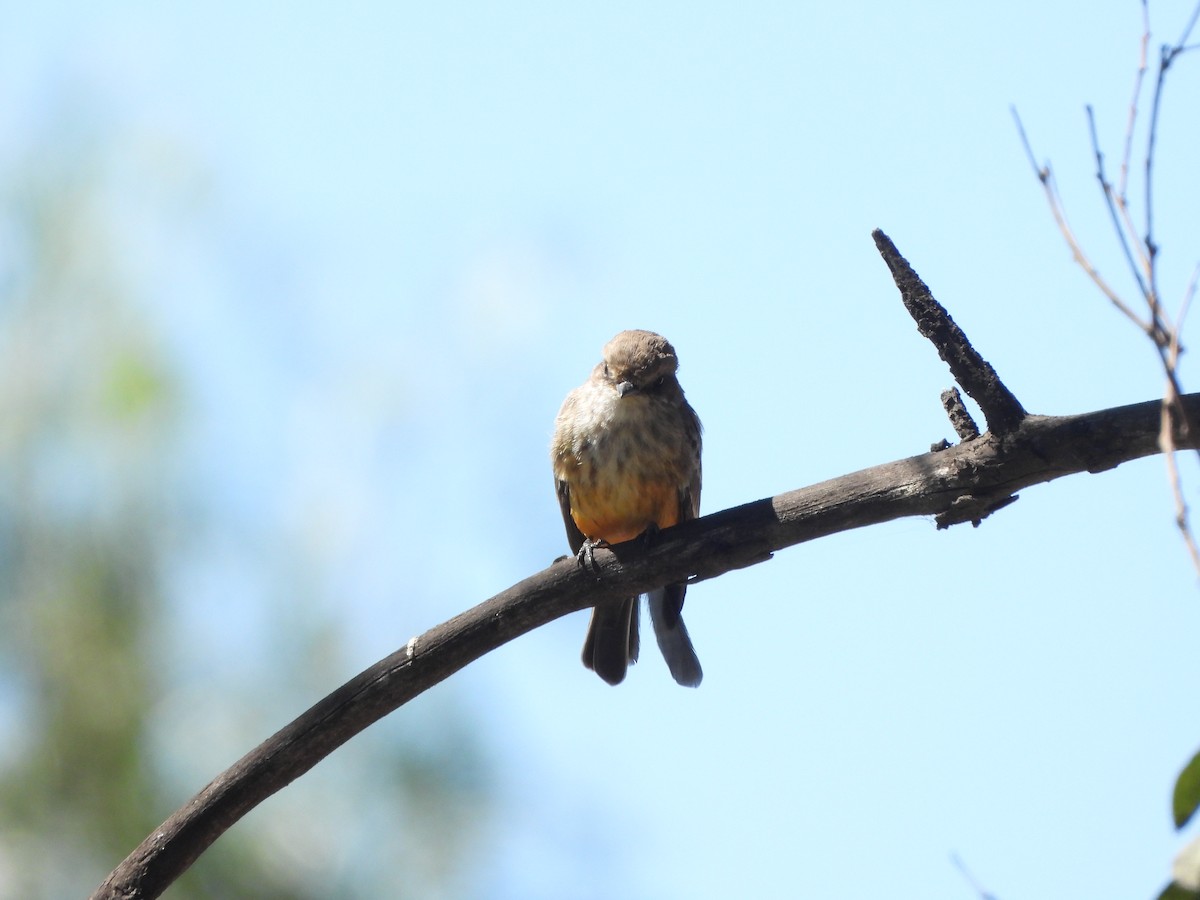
{"x": 86, "y": 404}
{"x": 94, "y": 515}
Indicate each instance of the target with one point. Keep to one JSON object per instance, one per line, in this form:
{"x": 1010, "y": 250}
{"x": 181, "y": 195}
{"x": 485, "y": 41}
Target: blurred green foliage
{"x": 95, "y": 514}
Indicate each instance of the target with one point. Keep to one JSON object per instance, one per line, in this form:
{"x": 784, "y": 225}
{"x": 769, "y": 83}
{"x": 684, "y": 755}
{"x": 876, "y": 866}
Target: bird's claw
{"x": 587, "y": 553}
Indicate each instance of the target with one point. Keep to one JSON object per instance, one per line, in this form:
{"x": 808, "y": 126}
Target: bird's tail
{"x": 612, "y": 639}
{"x": 666, "y": 605}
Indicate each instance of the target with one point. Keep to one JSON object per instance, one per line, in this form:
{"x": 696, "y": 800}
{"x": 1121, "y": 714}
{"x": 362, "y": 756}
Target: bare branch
{"x": 1112, "y": 201}
{"x": 1166, "y": 441}
{"x": 989, "y": 469}
{"x": 981, "y": 892}
{"x": 1182, "y": 45}
{"x": 1176, "y": 417}
{"x": 1188, "y": 294}
{"x": 964, "y": 425}
{"x": 975, "y": 374}
{"x": 1170, "y": 363}
{"x": 1042, "y": 172}
{"x": 1054, "y": 201}
{"x": 1131, "y": 121}
{"x": 1151, "y": 247}
{"x": 1167, "y": 55}
{"x": 1127, "y": 231}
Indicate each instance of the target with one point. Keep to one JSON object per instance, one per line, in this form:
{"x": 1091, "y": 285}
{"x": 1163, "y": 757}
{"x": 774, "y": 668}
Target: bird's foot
{"x": 587, "y": 553}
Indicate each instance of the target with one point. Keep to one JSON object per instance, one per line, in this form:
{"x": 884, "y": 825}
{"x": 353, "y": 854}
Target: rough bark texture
{"x": 974, "y": 373}
{"x": 956, "y": 410}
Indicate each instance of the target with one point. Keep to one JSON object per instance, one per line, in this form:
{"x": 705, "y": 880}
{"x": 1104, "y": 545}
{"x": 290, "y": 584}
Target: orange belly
{"x": 621, "y": 511}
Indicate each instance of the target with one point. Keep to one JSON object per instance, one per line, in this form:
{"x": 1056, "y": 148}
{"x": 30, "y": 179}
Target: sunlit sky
{"x": 428, "y": 218}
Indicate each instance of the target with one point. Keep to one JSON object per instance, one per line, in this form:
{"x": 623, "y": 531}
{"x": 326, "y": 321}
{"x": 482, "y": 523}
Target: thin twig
{"x": 1166, "y": 441}
{"x": 1054, "y": 201}
{"x": 1151, "y": 140}
{"x": 1182, "y": 45}
{"x": 1188, "y": 295}
{"x": 1111, "y": 201}
{"x": 1131, "y": 122}
{"x": 1171, "y": 362}
{"x": 1175, "y": 416}
{"x": 1128, "y": 231}
{"x": 966, "y": 873}
{"x": 1167, "y": 56}
{"x": 1042, "y": 173}
{"x": 1141, "y": 254}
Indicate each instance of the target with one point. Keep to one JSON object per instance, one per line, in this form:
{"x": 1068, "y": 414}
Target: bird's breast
{"x": 626, "y": 463}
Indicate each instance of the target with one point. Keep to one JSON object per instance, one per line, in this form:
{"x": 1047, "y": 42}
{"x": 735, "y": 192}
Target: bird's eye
{"x": 662, "y": 379}
{"x": 607, "y": 374}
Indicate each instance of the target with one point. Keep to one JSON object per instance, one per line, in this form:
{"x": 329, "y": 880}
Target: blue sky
{"x": 414, "y": 226}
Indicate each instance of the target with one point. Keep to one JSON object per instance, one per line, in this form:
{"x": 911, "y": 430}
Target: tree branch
{"x": 964, "y": 425}
{"x": 1000, "y": 408}
{"x": 981, "y": 474}
{"x": 963, "y": 483}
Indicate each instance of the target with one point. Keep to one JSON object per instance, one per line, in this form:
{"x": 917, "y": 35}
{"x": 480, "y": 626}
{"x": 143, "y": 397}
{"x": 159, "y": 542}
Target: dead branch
{"x": 963, "y": 483}
{"x": 975, "y": 374}
{"x": 956, "y": 410}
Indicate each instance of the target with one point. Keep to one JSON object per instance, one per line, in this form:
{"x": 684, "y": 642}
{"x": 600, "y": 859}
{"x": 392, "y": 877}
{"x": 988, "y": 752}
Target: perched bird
{"x": 626, "y": 456}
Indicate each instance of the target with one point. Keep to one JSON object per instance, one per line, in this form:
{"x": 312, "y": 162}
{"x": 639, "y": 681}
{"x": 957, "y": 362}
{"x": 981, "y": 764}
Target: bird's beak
{"x": 625, "y": 387}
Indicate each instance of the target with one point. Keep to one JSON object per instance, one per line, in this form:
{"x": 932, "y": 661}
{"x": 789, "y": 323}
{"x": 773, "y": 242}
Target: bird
{"x": 626, "y": 461}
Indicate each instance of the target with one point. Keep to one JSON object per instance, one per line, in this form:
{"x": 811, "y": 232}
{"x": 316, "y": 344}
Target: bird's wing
{"x": 574, "y": 535}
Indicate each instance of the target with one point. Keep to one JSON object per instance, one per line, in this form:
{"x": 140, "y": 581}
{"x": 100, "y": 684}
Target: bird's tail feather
{"x": 612, "y": 639}
{"x": 665, "y": 606}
